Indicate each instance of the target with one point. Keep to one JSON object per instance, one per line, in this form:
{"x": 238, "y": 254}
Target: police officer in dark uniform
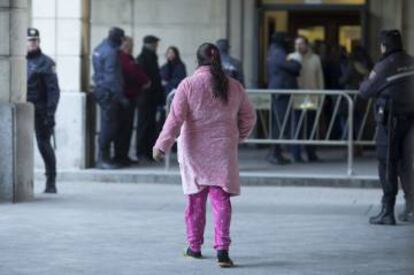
{"x": 108, "y": 91}
{"x": 390, "y": 83}
{"x": 43, "y": 91}
{"x": 232, "y": 67}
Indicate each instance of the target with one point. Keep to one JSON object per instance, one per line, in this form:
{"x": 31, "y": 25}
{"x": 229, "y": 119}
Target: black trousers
{"x": 44, "y": 133}
{"x": 279, "y": 109}
{"x": 126, "y": 116}
{"x": 109, "y": 108}
{"x": 146, "y": 126}
{"x": 395, "y": 166}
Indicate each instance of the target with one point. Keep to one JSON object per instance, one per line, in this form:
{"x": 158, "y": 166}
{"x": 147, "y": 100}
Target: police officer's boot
{"x": 51, "y": 184}
{"x": 407, "y": 215}
{"x": 104, "y": 161}
{"x": 386, "y": 215}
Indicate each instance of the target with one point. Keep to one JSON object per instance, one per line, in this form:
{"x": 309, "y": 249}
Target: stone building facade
{"x": 71, "y": 29}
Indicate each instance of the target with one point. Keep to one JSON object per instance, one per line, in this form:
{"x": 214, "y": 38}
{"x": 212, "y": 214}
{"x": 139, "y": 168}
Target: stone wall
{"x": 396, "y": 14}
{"x": 183, "y": 23}
{"x": 407, "y": 25}
{"x": 16, "y": 116}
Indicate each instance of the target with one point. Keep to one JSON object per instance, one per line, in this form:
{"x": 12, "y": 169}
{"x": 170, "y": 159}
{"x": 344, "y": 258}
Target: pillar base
{"x": 16, "y": 152}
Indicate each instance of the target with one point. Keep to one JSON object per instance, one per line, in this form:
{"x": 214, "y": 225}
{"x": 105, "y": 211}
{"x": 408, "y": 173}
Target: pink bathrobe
{"x": 210, "y": 132}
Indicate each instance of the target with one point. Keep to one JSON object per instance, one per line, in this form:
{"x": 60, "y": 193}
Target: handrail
{"x": 311, "y": 140}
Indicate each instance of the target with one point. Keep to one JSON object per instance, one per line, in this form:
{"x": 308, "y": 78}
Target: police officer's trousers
{"x": 109, "y": 108}
{"x": 44, "y": 131}
{"x": 394, "y": 152}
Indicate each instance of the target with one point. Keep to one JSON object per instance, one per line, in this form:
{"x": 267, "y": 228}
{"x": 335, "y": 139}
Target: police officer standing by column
{"x": 390, "y": 83}
{"x": 43, "y": 91}
{"x": 108, "y": 91}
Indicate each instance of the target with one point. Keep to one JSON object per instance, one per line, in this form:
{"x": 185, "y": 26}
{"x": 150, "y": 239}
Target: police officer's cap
{"x": 116, "y": 34}
{"x": 391, "y": 39}
{"x": 150, "y": 39}
{"x": 33, "y": 34}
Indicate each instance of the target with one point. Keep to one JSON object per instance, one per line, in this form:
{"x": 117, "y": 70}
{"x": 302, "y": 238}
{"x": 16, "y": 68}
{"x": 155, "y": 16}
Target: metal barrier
{"x": 307, "y": 106}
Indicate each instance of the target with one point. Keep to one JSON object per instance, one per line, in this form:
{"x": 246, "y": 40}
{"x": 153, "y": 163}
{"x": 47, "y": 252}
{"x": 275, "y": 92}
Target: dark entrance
{"x": 331, "y": 23}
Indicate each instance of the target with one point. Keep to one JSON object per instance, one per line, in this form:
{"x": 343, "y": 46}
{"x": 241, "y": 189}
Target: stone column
{"x": 16, "y": 116}
{"x": 241, "y": 32}
{"x": 385, "y": 14}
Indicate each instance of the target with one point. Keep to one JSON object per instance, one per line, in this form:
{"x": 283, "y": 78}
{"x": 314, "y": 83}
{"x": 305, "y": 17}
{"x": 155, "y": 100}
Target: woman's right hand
{"x": 157, "y": 154}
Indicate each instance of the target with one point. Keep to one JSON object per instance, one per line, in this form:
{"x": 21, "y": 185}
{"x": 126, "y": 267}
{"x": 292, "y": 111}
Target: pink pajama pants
{"x": 195, "y": 218}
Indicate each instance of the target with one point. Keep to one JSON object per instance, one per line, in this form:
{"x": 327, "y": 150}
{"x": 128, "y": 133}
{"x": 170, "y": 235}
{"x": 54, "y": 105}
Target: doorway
{"x": 333, "y": 25}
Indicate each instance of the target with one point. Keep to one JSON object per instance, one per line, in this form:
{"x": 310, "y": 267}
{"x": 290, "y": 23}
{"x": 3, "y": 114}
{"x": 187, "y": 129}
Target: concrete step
{"x": 172, "y": 176}
{"x": 331, "y": 171}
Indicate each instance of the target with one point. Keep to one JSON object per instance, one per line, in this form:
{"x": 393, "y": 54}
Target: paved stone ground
{"x": 96, "y": 228}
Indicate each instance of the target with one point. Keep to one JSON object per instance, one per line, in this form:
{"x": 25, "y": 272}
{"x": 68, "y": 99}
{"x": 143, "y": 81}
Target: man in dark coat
{"x": 282, "y": 74}
{"x": 394, "y": 111}
{"x": 150, "y": 100}
{"x": 108, "y": 91}
{"x": 43, "y": 91}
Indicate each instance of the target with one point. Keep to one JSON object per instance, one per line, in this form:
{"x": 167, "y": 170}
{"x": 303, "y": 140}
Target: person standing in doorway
{"x": 44, "y": 93}
{"x": 212, "y": 114}
{"x": 310, "y": 78}
{"x": 282, "y": 74}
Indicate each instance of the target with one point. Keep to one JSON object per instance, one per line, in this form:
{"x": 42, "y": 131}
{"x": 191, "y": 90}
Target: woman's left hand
{"x": 157, "y": 154}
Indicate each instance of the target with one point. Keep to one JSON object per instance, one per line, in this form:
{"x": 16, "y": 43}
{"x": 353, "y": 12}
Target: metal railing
{"x": 301, "y": 104}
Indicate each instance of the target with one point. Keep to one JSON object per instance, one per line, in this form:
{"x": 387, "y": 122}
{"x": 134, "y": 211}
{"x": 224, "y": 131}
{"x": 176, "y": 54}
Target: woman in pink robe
{"x": 212, "y": 114}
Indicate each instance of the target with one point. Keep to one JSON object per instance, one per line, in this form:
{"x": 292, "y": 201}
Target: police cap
{"x": 33, "y": 34}
{"x": 391, "y": 39}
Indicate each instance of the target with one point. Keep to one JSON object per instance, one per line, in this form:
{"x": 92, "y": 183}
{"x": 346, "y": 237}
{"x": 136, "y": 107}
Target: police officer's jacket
{"x": 232, "y": 67}
{"x": 107, "y": 68}
{"x": 381, "y": 87}
{"x": 42, "y": 83}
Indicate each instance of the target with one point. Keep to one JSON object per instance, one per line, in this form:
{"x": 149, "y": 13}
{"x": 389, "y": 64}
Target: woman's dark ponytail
{"x": 208, "y": 55}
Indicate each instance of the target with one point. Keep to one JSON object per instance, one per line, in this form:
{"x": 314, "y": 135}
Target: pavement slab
{"x": 106, "y": 228}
